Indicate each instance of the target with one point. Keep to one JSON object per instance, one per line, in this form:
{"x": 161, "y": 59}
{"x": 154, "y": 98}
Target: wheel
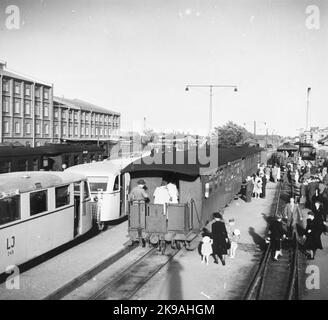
{"x": 178, "y": 244}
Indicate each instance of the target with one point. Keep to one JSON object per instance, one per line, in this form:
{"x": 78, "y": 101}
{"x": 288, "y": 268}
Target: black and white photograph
{"x": 163, "y": 154}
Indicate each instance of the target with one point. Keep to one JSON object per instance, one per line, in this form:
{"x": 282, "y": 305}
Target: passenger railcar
{"x": 203, "y": 189}
{"x": 40, "y": 211}
{"x": 109, "y": 188}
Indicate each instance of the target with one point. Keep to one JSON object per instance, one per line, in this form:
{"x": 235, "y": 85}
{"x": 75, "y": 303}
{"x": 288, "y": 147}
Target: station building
{"x": 30, "y": 115}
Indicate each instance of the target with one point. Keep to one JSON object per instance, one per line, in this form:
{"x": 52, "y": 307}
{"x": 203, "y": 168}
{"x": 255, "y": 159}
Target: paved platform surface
{"x": 51, "y": 275}
{"x": 188, "y": 278}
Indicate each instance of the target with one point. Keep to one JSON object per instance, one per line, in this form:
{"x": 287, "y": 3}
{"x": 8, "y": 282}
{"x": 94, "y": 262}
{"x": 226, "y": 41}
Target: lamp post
{"x": 210, "y": 86}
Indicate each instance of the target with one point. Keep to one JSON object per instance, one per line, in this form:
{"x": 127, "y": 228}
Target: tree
{"x": 230, "y": 134}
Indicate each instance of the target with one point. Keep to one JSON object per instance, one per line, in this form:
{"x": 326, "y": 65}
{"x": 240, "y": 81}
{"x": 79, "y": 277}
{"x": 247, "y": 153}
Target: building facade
{"x": 77, "y": 120}
{"x": 30, "y": 115}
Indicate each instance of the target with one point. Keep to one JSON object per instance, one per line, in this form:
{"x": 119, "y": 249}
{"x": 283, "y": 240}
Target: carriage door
{"x": 115, "y": 205}
{"x": 85, "y": 212}
{"x": 124, "y": 196}
{"x": 77, "y": 207}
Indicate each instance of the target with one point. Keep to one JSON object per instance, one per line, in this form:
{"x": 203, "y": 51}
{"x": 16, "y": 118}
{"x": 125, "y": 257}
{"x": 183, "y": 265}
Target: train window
{"x": 5, "y": 166}
{"x": 62, "y": 196}
{"x": 9, "y": 209}
{"x": 116, "y": 184}
{"x": 86, "y": 194}
{"x": 97, "y": 183}
{"x": 38, "y": 202}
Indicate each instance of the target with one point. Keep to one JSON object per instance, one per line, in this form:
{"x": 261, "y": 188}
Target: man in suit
{"x": 292, "y": 214}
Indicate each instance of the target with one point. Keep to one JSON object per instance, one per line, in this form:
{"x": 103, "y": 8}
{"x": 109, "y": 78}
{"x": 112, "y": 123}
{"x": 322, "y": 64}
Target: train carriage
{"x": 203, "y": 189}
{"x": 109, "y": 188}
{"x": 40, "y": 211}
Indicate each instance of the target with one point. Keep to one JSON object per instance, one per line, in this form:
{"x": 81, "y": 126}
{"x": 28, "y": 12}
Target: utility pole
{"x": 307, "y": 108}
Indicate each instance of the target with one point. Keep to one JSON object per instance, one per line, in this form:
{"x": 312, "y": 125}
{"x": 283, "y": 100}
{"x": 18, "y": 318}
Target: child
{"x": 234, "y": 242}
{"x": 206, "y": 249}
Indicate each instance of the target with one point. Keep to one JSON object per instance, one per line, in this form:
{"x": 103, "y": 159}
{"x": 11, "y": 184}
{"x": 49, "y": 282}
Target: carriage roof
{"x": 156, "y": 162}
{"x": 30, "y": 181}
{"x": 102, "y": 168}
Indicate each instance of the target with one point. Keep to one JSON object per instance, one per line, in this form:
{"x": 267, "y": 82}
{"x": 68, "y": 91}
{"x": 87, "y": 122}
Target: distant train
{"x": 40, "y": 211}
{"x": 50, "y": 157}
{"x": 202, "y": 190}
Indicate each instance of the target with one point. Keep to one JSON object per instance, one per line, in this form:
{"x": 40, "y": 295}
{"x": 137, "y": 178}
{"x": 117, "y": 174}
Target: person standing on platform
{"x": 220, "y": 238}
{"x": 278, "y": 173}
{"x": 292, "y": 214}
{"x": 312, "y": 234}
{"x": 276, "y": 235}
{"x": 264, "y": 183}
{"x": 257, "y": 186}
{"x": 274, "y": 173}
{"x": 249, "y": 189}
{"x": 318, "y": 211}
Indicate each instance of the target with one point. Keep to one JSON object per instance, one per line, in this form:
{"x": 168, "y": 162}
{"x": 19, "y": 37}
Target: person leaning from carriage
{"x": 138, "y": 193}
{"x": 220, "y": 238}
{"x": 312, "y": 233}
{"x": 276, "y": 235}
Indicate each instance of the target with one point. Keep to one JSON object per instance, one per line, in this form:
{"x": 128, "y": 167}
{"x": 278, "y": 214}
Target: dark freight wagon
{"x": 203, "y": 189}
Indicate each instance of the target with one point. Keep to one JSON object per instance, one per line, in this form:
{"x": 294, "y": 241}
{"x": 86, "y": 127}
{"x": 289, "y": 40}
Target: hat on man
{"x": 141, "y": 182}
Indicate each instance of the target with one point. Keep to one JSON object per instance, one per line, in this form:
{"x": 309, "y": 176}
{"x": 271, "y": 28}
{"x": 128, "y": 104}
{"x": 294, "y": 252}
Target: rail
{"x": 256, "y": 289}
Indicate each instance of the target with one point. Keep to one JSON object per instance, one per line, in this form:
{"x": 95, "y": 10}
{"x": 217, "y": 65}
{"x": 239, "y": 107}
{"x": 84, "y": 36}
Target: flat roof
{"x": 83, "y": 105}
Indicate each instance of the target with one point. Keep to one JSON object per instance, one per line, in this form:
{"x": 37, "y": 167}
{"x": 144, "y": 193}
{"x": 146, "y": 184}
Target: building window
{"x": 6, "y": 127}
{"x": 64, "y": 130}
{"x": 28, "y": 107}
{"x": 101, "y": 131}
{"x": 5, "y": 85}
{"x": 56, "y": 129}
{"x": 17, "y": 106}
{"x": 75, "y": 130}
{"x": 46, "y": 94}
{"x": 5, "y": 102}
{"x": 37, "y": 108}
{"x": 46, "y": 128}
{"x": 46, "y": 110}
{"x": 71, "y": 130}
{"x": 17, "y": 88}
{"x": 87, "y": 131}
{"x": 28, "y": 128}
{"x": 37, "y": 128}
{"x": 27, "y": 90}
{"x": 38, "y": 144}
{"x": 105, "y": 132}
{"x": 56, "y": 114}
{"x": 37, "y": 92}
{"x": 17, "y": 127}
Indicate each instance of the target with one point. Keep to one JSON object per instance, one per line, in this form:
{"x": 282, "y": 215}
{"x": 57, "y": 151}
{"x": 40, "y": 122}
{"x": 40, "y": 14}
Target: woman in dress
{"x": 313, "y": 231}
{"x": 257, "y": 186}
{"x": 220, "y": 238}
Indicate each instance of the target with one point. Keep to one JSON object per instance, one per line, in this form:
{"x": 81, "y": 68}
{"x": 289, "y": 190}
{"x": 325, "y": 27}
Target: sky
{"x": 137, "y": 56}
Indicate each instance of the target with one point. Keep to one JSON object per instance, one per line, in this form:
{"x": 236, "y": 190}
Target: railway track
{"x": 134, "y": 276}
{"x": 277, "y": 280}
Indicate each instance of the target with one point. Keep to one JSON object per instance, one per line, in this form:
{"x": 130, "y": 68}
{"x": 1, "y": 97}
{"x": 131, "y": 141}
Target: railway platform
{"x": 187, "y": 278}
{"x": 51, "y": 276}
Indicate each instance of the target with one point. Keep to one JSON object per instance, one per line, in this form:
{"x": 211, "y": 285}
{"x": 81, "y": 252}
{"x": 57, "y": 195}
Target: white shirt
{"x": 173, "y": 192}
{"x": 161, "y": 195}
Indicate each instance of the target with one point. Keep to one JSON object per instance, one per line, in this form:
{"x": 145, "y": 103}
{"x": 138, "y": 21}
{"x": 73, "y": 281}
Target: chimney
{"x": 3, "y": 65}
